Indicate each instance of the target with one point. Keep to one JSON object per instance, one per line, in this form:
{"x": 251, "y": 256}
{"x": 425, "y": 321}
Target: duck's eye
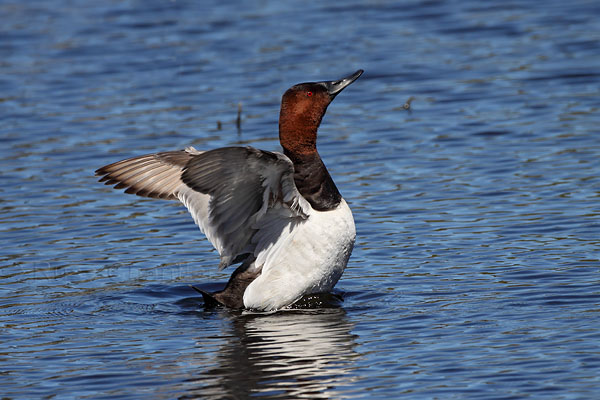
{"x": 309, "y": 94}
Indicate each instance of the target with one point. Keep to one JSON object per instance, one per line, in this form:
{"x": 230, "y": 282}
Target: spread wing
{"x": 230, "y": 192}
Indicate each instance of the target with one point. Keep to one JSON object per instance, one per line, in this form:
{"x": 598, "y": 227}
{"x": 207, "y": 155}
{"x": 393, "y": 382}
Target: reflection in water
{"x": 296, "y": 353}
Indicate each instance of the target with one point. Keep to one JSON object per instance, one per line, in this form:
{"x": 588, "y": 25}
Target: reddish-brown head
{"x": 302, "y": 109}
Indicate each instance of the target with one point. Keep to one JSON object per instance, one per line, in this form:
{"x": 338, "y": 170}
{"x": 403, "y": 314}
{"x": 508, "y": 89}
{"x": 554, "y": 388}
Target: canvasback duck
{"x": 279, "y": 215}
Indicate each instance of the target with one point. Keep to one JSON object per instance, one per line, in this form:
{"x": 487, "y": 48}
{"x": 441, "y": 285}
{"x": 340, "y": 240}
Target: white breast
{"x": 308, "y": 257}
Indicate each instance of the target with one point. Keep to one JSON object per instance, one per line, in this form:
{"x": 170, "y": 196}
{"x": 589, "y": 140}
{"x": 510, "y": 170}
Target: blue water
{"x": 468, "y": 152}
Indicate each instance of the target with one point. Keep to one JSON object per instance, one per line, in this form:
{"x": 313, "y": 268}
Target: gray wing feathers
{"x": 243, "y": 183}
{"x": 153, "y": 175}
{"x": 227, "y": 191}
{"x": 234, "y": 181}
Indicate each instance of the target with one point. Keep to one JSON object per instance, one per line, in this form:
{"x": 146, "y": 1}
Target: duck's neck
{"x": 298, "y": 132}
{"x": 313, "y": 180}
{"x": 298, "y": 137}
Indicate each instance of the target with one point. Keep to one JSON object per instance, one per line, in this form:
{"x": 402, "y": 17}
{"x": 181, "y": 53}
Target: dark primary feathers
{"x": 233, "y": 178}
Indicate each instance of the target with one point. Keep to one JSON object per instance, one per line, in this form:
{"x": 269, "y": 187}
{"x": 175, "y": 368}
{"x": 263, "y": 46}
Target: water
{"x": 476, "y": 268}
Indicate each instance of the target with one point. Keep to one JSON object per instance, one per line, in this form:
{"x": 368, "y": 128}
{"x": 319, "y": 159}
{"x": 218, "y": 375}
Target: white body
{"x": 308, "y": 257}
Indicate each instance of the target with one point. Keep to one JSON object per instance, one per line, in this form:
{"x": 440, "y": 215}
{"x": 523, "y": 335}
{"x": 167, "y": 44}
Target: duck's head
{"x": 302, "y": 109}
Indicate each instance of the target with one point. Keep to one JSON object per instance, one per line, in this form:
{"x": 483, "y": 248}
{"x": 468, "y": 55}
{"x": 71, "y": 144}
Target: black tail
{"x": 209, "y": 300}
